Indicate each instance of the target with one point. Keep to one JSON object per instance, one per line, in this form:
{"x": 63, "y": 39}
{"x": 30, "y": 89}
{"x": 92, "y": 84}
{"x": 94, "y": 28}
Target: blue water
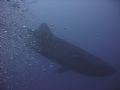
{"x": 93, "y": 25}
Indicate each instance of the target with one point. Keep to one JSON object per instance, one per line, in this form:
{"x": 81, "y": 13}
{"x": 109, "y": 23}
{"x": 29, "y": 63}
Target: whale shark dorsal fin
{"x": 44, "y": 30}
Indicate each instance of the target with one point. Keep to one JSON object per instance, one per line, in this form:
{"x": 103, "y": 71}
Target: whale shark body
{"x": 67, "y": 55}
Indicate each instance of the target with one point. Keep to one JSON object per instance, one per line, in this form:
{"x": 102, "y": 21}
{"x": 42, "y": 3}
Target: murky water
{"x": 88, "y": 24}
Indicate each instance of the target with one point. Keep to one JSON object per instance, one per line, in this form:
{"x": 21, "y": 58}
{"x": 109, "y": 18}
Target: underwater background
{"x": 93, "y": 25}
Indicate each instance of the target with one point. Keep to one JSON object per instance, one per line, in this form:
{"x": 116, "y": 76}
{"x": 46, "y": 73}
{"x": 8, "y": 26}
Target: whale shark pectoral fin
{"x": 62, "y": 70}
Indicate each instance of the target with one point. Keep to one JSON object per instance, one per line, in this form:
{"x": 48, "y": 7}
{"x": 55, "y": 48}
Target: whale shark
{"x": 3, "y": 85}
{"x": 70, "y": 57}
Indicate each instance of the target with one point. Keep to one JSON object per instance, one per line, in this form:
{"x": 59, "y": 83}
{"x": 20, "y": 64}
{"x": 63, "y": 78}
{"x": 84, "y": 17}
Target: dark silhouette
{"x": 3, "y": 85}
{"x": 70, "y": 57}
